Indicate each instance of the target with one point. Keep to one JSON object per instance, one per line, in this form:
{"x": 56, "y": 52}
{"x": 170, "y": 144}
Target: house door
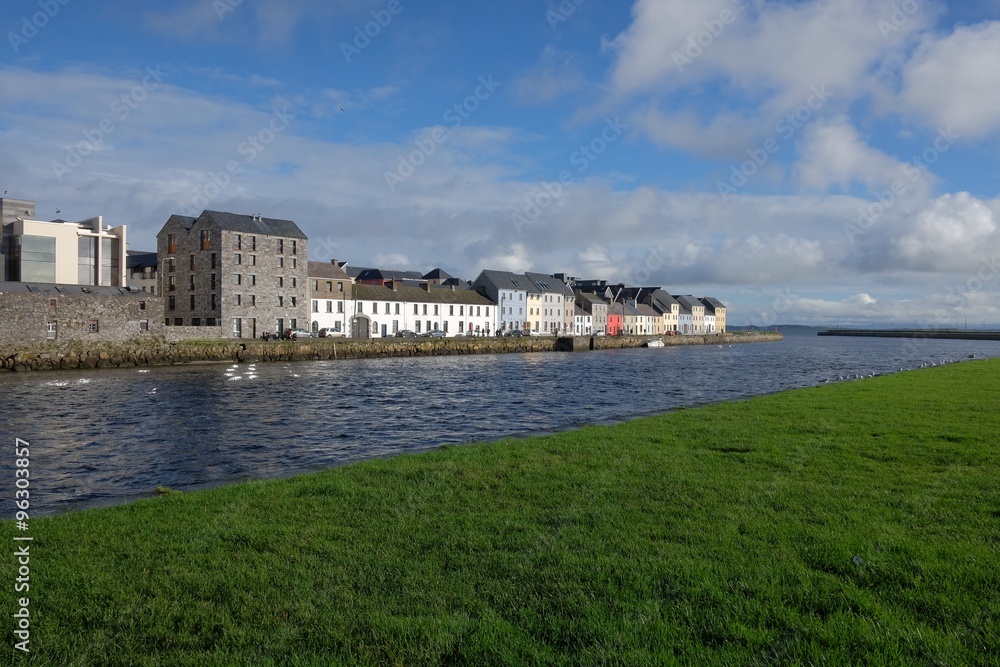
{"x": 385, "y": 330}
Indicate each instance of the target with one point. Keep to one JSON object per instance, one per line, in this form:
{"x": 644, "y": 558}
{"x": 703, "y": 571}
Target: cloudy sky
{"x": 810, "y": 161}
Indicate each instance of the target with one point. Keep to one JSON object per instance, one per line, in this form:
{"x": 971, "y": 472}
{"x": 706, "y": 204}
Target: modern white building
{"x": 509, "y": 292}
{"x": 59, "y": 252}
{"x": 583, "y": 322}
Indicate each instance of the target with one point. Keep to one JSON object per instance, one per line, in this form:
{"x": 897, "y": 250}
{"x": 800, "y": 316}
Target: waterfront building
{"x": 692, "y": 314}
{"x": 551, "y": 304}
{"x": 596, "y": 308}
{"x": 509, "y": 292}
{"x": 142, "y": 271}
{"x": 59, "y": 252}
{"x": 381, "y": 311}
{"x": 331, "y": 298}
{"x": 583, "y": 322}
{"x": 717, "y": 311}
{"x": 244, "y": 273}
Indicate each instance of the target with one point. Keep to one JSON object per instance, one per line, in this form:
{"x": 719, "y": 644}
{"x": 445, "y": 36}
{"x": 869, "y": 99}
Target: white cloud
{"x": 954, "y": 80}
{"x": 949, "y": 235}
{"x": 554, "y": 75}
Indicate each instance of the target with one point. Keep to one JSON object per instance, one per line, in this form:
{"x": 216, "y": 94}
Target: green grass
{"x": 853, "y": 524}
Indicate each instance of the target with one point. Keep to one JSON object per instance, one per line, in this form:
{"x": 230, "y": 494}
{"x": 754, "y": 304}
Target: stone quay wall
{"x": 159, "y": 351}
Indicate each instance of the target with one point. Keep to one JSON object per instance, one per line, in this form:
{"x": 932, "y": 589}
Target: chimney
{"x": 427, "y": 286}
{"x": 334, "y": 261}
{"x": 395, "y": 285}
{"x": 452, "y": 288}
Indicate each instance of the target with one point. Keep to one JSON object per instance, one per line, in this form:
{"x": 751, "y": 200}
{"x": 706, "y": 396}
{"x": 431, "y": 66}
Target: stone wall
{"x": 159, "y": 351}
{"x": 25, "y": 318}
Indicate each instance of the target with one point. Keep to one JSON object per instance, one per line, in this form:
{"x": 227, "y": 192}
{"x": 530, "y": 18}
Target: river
{"x": 107, "y": 436}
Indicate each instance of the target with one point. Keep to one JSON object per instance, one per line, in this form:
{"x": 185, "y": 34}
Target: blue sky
{"x": 819, "y": 162}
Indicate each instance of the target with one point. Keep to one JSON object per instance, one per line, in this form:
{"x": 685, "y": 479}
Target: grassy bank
{"x": 857, "y": 523}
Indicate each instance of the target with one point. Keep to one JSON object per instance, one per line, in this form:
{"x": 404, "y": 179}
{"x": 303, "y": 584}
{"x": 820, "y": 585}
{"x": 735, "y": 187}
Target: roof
{"x": 250, "y": 224}
{"x": 689, "y": 302}
{"x": 327, "y": 271}
{"x": 505, "y": 280}
{"x": 139, "y": 260}
{"x": 580, "y": 312}
{"x": 420, "y": 295}
{"x": 48, "y": 288}
{"x": 549, "y": 284}
{"x": 590, "y": 298}
{"x": 662, "y": 301}
{"x": 388, "y": 274}
{"x": 438, "y": 274}
{"x": 648, "y": 310}
{"x": 711, "y": 304}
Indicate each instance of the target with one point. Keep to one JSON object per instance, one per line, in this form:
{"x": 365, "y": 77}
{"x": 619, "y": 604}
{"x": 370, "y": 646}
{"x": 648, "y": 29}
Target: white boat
{"x": 656, "y": 342}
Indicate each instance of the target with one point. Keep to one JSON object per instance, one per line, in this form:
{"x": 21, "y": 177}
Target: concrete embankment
{"x": 916, "y": 333}
{"x": 159, "y": 352}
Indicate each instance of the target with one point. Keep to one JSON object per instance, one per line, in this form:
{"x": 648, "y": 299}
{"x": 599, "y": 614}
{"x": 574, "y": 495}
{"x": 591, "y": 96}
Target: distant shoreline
{"x": 914, "y": 333}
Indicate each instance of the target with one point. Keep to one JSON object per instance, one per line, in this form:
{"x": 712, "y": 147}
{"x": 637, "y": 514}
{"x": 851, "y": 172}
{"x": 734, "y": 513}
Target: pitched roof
{"x": 590, "y": 298}
{"x": 420, "y": 295}
{"x": 139, "y": 260}
{"x": 506, "y": 280}
{"x": 388, "y": 274}
{"x": 327, "y": 271}
{"x": 50, "y": 288}
{"x": 549, "y": 284}
{"x": 437, "y": 274}
{"x": 688, "y": 301}
{"x": 711, "y": 304}
{"x": 250, "y": 224}
{"x": 648, "y": 310}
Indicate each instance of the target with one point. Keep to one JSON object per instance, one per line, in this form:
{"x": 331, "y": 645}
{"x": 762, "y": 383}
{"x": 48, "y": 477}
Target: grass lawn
{"x": 852, "y": 524}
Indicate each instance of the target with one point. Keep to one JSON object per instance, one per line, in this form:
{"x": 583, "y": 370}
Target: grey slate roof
{"x": 420, "y": 295}
{"x": 688, "y": 302}
{"x": 549, "y": 284}
{"x": 388, "y": 274}
{"x": 505, "y": 280}
{"x": 711, "y": 304}
{"x": 248, "y": 224}
{"x": 327, "y": 271}
{"x": 438, "y": 274}
{"x": 139, "y": 260}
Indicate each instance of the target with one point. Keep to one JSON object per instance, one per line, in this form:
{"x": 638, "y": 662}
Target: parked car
{"x": 330, "y": 333}
{"x": 600, "y": 333}
{"x": 296, "y": 333}
{"x": 514, "y": 333}
{"x": 437, "y": 333}
{"x": 406, "y": 333}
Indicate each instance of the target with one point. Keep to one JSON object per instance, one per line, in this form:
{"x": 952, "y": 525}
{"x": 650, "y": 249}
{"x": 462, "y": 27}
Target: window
{"x": 281, "y": 262}
{"x": 340, "y": 306}
{"x": 142, "y": 305}
{"x": 191, "y": 281}
{"x": 210, "y": 322}
{"x": 315, "y": 306}
{"x": 253, "y": 280}
{"x": 281, "y": 302}
{"x": 93, "y": 326}
{"x": 425, "y": 309}
{"x": 51, "y": 330}
{"x": 213, "y": 282}
{"x": 397, "y": 309}
{"x": 171, "y": 265}
{"x": 172, "y": 283}
{"x": 253, "y": 260}
{"x": 171, "y": 243}
{"x": 237, "y": 279}
{"x": 436, "y": 309}
{"x": 237, "y": 327}
{"x": 477, "y": 311}
{"x": 451, "y": 310}
{"x": 340, "y": 287}
{"x": 143, "y": 325}
{"x": 206, "y": 239}
{"x": 213, "y": 260}
{"x": 239, "y": 242}
{"x": 191, "y": 264}
{"x": 281, "y": 281}
{"x": 295, "y": 262}
{"x": 461, "y": 310}
{"x": 239, "y": 259}
{"x": 329, "y": 286}
{"x": 336, "y": 326}
{"x": 395, "y": 326}
{"x": 281, "y": 246}
{"x": 294, "y": 245}
{"x": 295, "y": 301}
{"x": 253, "y": 300}
{"x": 192, "y": 302}
{"x": 361, "y": 307}
{"x": 293, "y": 282}
{"x": 416, "y": 309}
{"x": 315, "y": 286}
{"x": 196, "y": 321}
{"x": 215, "y": 305}
{"x": 446, "y": 326}
{"x": 172, "y": 303}
{"x": 329, "y": 306}
{"x": 178, "y": 321}
{"x": 461, "y": 326}
{"x": 239, "y": 299}
{"x": 253, "y": 242}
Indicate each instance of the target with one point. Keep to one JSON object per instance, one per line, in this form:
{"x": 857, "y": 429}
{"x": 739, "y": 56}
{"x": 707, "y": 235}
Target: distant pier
{"x": 941, "y": 334}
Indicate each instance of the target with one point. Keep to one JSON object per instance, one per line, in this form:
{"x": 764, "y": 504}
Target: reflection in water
{"x": 111, "y": 435}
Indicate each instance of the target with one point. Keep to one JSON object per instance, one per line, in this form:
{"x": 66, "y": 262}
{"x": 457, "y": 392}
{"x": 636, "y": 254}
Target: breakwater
{"x": 937, "y": 334}
{"x": 160, "y": 352}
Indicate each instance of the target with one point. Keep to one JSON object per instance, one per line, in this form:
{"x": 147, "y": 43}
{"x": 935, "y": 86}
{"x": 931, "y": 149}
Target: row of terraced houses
{"x": 231, "y": 275}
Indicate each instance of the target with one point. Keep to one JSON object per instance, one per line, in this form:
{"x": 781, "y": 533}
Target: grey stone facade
{"x": 33, "y": 314}
{"x": 245, "y": 274}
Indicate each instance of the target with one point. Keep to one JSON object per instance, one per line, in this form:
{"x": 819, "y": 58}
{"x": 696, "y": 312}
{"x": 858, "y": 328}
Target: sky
{"x": 825, "y": 162}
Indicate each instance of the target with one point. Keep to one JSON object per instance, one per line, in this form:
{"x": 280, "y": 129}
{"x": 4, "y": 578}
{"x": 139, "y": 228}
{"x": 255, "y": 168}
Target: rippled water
{"x": 106, "y": 436}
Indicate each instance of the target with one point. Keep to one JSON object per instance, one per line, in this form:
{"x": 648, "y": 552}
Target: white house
{"x": 381, "y": 311}
{"x": 509, "y": 292}
{"x": 583, "y": 322}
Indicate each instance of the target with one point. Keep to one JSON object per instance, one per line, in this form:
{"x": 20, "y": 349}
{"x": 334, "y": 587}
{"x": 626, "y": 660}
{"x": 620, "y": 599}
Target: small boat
{"x": 656, "y": 342}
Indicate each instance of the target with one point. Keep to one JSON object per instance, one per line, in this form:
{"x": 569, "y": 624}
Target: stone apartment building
{"x": 244, "y": 273}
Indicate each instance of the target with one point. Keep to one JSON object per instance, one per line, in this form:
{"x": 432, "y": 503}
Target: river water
{"x": 107, "y": 436}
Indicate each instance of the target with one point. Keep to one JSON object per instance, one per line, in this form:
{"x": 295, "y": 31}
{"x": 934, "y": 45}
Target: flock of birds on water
{"x": 926, "y": 364}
